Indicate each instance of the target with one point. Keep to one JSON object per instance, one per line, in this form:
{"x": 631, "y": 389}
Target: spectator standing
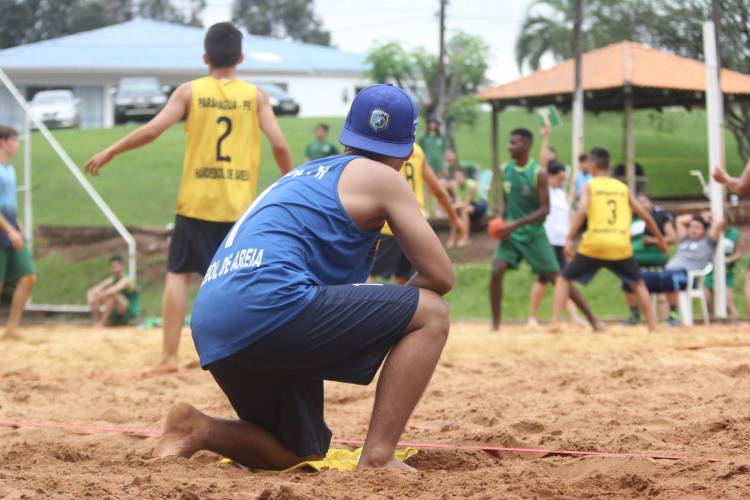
{"x": 435, "y": 145}
{"x": 16, "y": 267}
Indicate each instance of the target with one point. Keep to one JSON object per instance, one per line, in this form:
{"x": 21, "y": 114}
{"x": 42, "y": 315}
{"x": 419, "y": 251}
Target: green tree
{"x": 289, "y": 19}
{"x": 673, "y": 25}
{"x": 416, "y": 72}
{"x": 168, "y": 11}
{"x": 27, "y": 21}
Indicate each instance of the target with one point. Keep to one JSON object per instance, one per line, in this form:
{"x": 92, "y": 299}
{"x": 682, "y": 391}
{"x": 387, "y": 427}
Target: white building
{"x": 323, "y": 80}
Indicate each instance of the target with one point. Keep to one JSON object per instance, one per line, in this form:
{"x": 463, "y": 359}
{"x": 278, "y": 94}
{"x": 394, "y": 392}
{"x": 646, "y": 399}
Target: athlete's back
{"x": 609, "y": 216}
{"x": 295, "y": 237}
{"x": 222, "y": 156}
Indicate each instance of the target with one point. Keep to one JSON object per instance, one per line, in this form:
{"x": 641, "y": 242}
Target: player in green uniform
{"x": 320, "y": 147}
{"x": 114, "y": 301}
{"x": 526, "y": 197}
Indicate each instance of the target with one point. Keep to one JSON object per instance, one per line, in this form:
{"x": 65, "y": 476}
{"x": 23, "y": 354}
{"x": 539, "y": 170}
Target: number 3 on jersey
{"x": 227, "y": 130}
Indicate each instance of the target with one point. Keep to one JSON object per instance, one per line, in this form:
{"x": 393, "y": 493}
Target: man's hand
{"x": 721, "y": 175}
{"x": 662, "y": 244}
{"x": 97, "y": 161}
{"x": 16, "y": 239}
{"x": 569, "y": 250}
{"x": 507, "y": 229}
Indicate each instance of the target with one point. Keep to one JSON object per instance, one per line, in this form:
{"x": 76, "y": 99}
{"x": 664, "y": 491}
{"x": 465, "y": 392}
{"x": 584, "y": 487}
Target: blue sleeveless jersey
{"x": 294, "y": 238}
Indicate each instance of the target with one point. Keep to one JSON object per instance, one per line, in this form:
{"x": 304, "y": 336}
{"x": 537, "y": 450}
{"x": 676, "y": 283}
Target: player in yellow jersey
{"x": 609, "y": 207}
{"x": 391, "y": 260}
{"x": 220, "y": 172}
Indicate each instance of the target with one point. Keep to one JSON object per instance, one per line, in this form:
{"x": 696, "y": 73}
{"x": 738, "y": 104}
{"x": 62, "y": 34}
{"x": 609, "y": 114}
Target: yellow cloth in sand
{"x": 337, "y": 459}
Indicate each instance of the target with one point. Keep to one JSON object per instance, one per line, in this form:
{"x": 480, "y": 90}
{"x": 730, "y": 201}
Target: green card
{"x": 549, "y": 116}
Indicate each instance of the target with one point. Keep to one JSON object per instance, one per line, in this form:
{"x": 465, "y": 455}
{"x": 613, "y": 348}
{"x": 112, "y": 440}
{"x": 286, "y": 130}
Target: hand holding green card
{"x": 549, "y": 116}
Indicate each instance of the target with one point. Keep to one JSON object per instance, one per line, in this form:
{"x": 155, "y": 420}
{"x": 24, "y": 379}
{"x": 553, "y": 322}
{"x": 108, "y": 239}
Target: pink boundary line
{"x": 96, "y": 429}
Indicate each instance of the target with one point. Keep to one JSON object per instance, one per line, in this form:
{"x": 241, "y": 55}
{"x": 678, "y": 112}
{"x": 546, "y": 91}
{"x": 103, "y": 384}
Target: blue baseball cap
{"x": 382, "y": 120}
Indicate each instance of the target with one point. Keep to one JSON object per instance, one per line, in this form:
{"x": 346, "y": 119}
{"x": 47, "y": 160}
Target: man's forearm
{"x": 136, "y": 139}
{"x": 283, "y": 158}
{"x": 537, "y": 215}
{"x": 444, "y": 201}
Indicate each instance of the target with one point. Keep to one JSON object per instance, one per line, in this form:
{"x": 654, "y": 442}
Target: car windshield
{"x": 273, "y": 90}
{"x": 44, "y": 98}
{"x": 139, "y": 86}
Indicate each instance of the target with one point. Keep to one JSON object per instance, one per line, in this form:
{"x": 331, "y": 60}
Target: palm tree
{"x": 547, "y": 29}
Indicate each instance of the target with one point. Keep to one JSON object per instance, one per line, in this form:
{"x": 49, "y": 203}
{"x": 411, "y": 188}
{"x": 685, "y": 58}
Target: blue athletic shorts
{"x": 662, "y": 281}
{"x": 344, "y": 334}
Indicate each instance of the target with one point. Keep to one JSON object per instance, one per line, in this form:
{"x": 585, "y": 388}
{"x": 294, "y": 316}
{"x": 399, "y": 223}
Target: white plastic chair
{"x": 694, "y": 290}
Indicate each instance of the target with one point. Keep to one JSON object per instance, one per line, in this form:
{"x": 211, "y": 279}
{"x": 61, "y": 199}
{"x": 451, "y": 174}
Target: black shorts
{"x": 583, "y": 269}
{"x": 194, "y": 243}
{"x": 344, "y": 334}
{"x": 391, "y": 261}
{"x": 560, "y": 256}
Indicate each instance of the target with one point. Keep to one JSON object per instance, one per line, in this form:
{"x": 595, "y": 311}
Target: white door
{"x": 91, "y": 106}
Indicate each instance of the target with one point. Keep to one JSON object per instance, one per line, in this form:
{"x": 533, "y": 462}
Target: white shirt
{"x": 557, "y": 224}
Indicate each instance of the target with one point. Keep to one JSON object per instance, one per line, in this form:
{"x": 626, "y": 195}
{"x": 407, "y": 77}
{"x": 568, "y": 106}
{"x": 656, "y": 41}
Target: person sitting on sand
{"x": 114, "y": 301}
{"x": 284, "y": 304}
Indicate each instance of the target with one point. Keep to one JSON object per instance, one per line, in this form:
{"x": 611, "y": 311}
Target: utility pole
{"x": 440, "y": 105}
{"x": 578, "y": 93}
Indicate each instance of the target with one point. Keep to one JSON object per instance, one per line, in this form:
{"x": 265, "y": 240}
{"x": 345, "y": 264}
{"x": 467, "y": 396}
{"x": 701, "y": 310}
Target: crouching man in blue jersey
{"x": 284, "y": 304}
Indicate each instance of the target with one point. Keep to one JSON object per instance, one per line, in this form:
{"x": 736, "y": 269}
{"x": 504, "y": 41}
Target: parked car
{"x": 281, "y": 102}
{"x": 56, "y": 108}
{"x": 138, "y": 98}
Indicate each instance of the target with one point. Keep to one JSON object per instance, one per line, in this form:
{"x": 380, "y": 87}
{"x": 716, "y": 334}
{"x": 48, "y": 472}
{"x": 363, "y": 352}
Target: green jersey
{"x": 317, "y": 150}
{"x": 434, "y": 146}
{"x": 522, "y": 197}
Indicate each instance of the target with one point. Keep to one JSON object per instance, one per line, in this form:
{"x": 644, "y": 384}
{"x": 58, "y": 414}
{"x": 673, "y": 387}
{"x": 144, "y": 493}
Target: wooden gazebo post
{"x": 496, "y": 185}
{"x": 628, "y": 142}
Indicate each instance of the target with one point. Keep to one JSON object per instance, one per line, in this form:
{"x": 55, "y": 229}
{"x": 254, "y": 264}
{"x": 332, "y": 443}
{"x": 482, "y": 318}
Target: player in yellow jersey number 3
{"x": 220, "y": 170}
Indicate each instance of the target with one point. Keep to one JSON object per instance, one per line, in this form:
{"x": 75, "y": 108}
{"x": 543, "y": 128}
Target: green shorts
{"x": 131, "y": 312}
{"x": 709, "y": 282}
{"x": 537, "y": 252}
{"x": 117, "y": 319}
{"x": 15, "y": 264}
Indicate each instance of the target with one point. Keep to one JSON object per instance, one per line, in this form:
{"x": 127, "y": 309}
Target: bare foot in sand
{"x": 554, "y": 328}
{"x": 165, "y": 365}
{"x": 599, "y": 327}
{"x": 393, "y": 464}
{"x": 182, "y": 433}
{"x": 10, "y": 335}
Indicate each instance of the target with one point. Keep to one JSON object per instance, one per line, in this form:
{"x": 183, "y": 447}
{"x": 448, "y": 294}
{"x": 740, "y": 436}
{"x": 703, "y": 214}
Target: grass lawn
{"x": 141, "y": 187}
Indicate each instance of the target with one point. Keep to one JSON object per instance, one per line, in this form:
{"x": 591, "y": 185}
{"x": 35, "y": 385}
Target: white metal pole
{"x": 577, "y": 148}
{"x": 28, "y": 222}
{"x": 119, "y": 227}
{"x": 715, "y": 117}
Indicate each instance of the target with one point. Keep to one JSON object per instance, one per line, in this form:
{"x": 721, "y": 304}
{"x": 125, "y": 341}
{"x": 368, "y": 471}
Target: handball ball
{"x": 494, "y": 228}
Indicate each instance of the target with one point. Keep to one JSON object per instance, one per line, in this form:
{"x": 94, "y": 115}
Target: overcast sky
{"x": 356, "y": 25}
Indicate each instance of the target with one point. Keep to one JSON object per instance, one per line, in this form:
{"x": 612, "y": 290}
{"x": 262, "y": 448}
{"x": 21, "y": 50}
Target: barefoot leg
{"x": 496, "y": 291}
{"x": 188, "y": 431}
{"x": 174, "y": 307}
{"x": 18, "y": 304}
{"x": 405, "y": 374}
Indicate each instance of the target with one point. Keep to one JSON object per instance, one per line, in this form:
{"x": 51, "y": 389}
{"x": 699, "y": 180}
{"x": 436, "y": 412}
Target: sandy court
{"x": 623, "y": 391}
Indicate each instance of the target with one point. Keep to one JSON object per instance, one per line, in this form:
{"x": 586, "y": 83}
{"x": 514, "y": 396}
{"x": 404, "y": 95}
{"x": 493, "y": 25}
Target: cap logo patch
{"x": 379, "y": 120}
